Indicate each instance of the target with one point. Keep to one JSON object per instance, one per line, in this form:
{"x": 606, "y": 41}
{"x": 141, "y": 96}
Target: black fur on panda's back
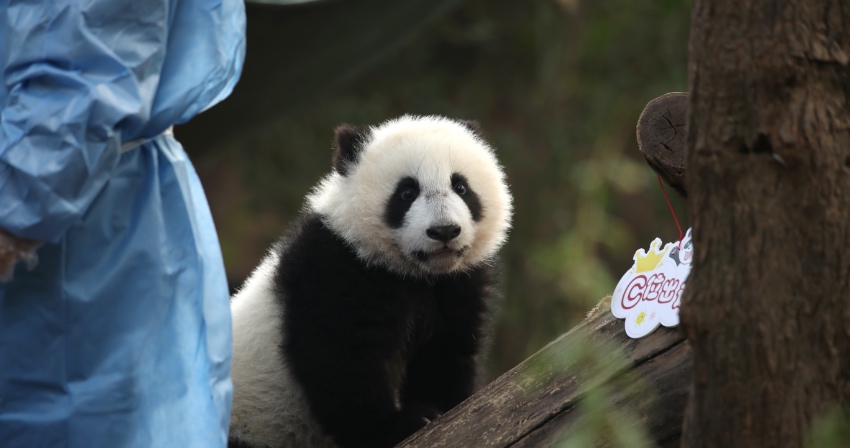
{"x": 354, "y": 333}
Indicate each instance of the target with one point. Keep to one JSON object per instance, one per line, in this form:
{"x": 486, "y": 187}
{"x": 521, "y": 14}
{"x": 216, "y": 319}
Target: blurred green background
{"x": 557, "y": 85}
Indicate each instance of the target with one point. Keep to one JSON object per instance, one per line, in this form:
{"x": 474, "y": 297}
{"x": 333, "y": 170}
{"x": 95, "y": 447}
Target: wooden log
{"x": 538, "y": 402}
{"x": 535, "y": 403}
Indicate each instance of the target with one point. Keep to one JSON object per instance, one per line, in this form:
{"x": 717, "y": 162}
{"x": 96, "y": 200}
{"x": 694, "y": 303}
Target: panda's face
{"x": 433, "y": 219}
{"x": 419, "y": 196}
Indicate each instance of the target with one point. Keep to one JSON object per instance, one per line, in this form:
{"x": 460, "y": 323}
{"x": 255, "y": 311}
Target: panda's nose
{"x": 443, "y": 233}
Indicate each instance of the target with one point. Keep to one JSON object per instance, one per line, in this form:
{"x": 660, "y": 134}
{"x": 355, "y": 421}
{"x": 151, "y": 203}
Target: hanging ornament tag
{"x": 650, "y": 292}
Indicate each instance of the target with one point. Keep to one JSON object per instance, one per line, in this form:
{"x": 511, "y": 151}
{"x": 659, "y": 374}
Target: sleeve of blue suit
{"x": 82, "y": 78}
{"x": 120, "y": 336}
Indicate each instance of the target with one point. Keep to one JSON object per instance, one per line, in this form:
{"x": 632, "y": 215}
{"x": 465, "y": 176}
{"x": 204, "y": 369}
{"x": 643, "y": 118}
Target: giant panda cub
{"x": 369, "y": 318}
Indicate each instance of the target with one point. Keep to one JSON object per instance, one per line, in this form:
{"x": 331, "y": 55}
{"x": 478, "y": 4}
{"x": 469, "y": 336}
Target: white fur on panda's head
{"x": 418, "y": 195}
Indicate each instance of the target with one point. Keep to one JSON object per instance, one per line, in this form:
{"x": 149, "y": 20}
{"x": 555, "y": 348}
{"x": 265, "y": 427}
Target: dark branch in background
{"x": 299, "y": 54}
{"x": 661, "y": 137}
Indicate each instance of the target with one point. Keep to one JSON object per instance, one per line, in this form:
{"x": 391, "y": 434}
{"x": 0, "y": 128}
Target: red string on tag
{"x": 673, "y": 212}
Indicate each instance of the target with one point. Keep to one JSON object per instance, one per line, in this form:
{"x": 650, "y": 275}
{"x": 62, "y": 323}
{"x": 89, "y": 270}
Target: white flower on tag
{"x": 650, "y": 292}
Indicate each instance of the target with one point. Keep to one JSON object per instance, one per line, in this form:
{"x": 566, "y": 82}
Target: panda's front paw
{"x": 401, "y": 425}
{"x": 429, "y": 413}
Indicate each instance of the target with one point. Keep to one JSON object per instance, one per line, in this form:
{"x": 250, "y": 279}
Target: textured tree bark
{"x": 767, "y": 307}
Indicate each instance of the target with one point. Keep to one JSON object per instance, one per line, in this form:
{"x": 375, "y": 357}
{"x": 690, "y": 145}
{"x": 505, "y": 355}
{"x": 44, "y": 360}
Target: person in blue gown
{"x": 120, "y": 335}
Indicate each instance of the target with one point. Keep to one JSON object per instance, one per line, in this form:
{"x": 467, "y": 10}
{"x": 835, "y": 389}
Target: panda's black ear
{"x": 473, "y": 126}
{"x": 348, "y": 143}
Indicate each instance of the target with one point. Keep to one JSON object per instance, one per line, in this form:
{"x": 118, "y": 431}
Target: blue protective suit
{"x": 121, "y": 336}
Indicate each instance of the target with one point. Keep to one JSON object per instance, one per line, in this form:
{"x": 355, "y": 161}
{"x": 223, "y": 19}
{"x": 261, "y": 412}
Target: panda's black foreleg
{"x": 443, "y": 369}
{"x": 350, "y": 363}
{"x": 439, "y": 376}
{"x": 354, "y": 402}
{"x": 398, "y": 427}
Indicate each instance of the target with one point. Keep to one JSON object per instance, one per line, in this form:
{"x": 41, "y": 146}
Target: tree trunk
{"x": 767, "y": 307}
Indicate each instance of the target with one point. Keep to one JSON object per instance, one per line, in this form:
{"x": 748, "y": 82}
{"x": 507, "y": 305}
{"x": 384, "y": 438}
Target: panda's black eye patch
{"x": 406, "y": 191}
{"x": 461, "y": 187}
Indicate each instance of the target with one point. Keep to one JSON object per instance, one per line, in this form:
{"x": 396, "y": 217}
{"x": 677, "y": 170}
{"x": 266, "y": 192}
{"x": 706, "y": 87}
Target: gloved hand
{"x": 13, "y": 250}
